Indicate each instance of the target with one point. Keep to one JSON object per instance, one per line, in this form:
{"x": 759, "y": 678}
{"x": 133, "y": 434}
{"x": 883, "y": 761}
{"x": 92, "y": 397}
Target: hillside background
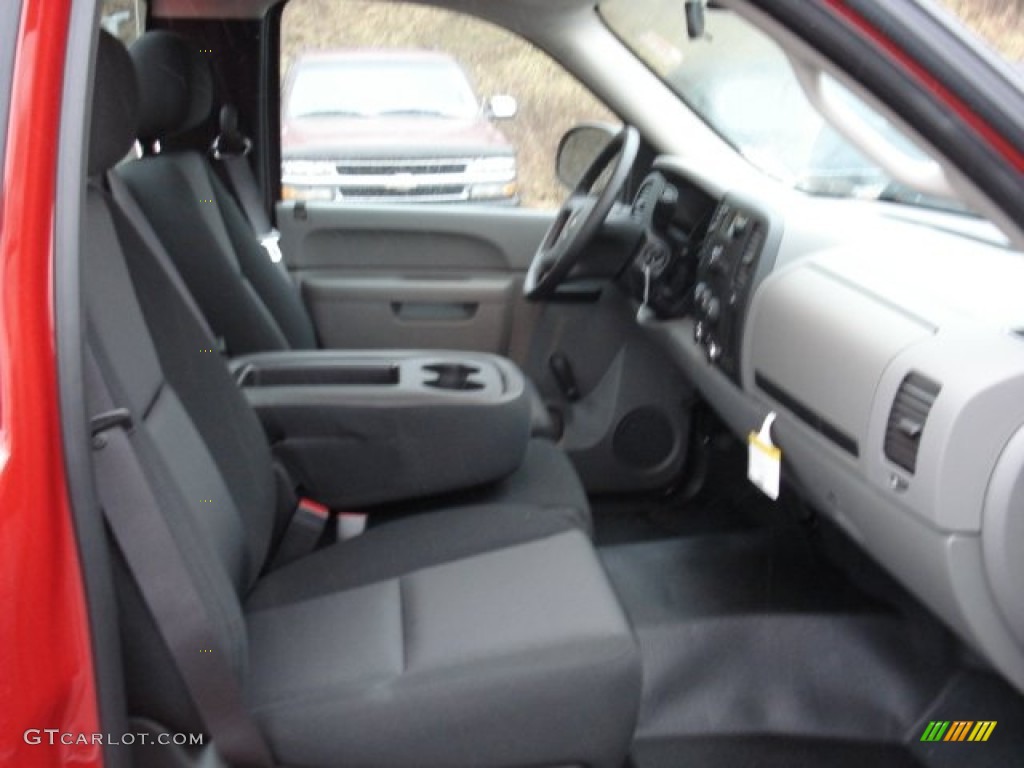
{"x": 1000, "y": 22}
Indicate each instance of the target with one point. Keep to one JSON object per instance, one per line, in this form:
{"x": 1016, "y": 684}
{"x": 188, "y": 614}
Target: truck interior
{"x": 380, "y": 484}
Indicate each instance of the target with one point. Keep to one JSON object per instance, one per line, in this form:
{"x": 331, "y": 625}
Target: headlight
{"x": 493, "y": 191}
{"x": 294, "y": 192}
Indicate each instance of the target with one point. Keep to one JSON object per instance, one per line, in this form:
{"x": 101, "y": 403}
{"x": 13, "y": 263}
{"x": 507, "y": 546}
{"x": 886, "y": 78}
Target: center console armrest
{"x": 356, "y": 429}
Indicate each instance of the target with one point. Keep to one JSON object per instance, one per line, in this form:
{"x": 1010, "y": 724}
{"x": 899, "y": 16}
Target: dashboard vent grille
{"x": 910, "y": 409}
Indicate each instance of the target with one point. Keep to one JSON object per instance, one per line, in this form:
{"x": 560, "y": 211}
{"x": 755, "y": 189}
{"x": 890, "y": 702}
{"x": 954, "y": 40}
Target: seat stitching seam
{"x": 403, "y": 623}
{"x": 148, "y": 409}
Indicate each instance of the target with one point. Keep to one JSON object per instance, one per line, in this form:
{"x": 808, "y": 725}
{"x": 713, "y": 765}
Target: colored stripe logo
{"x": 958, "y": 730}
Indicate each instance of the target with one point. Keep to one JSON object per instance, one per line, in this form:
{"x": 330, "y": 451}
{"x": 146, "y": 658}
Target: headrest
{"x": 115, "y": 105}
{"x": 176, "y": 88}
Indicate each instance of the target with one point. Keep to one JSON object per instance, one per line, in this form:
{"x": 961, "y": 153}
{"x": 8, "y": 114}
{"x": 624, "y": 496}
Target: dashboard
{"x": 701, "y": 258}
{"x": 890, "y": 345}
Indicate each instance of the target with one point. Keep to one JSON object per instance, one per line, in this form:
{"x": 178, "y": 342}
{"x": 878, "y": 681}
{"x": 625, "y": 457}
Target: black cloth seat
{"x": 250, "y": 303}
{"x": 440, "y": 640}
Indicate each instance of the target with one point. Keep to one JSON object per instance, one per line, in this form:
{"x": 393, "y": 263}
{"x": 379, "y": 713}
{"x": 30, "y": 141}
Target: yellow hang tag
{"x": 764, "y": 463}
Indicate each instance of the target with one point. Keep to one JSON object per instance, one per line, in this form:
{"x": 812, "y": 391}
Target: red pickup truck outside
{"x": 392, "y": 126}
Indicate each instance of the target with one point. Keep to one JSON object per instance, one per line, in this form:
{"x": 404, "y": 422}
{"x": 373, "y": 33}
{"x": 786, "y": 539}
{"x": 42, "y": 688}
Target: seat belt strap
{"x": 151, "y": 552}
{"x": 126, "y": 204}
{"x": 230, "y": 149}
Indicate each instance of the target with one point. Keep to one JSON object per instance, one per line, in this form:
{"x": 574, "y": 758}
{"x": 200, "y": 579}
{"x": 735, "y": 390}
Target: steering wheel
{"x": 581, "y": 216}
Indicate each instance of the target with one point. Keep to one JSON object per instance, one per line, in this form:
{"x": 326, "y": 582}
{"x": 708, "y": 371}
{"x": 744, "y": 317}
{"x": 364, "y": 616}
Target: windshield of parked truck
{"x": 380, "y": 87}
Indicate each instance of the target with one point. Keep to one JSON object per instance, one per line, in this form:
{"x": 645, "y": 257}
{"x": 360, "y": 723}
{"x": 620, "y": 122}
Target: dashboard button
{"x": 713, "y": 309}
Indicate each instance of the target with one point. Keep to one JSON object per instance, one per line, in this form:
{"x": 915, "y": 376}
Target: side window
{"x": 392, "y": 102}
{"x": 124, "y": 19}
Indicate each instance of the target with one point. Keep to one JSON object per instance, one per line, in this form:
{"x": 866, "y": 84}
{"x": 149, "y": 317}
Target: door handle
{"x": 433, "y": 311}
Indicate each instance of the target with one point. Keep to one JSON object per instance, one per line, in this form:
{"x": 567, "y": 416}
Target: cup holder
{"x": 453, "y": 376}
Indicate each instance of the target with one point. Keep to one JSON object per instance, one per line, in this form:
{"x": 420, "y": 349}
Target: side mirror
{"x": 579, "y": 148}
{"x": 502, "y": 107}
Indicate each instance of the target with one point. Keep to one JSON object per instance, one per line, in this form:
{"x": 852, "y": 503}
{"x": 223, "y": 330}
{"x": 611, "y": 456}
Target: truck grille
{"x": 391, "y": 167}
{"x": 398, "y": 179}
{"x": 432, "y": 191}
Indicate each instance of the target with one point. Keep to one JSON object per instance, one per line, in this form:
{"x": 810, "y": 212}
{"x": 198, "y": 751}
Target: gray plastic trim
{"x": 978, "y": 410}
{"x": 353, "y": 443}
{"x": 842, "y": 329}
{"x": 357, "y": 312}
{"x": 438, "y": 237}
{"x": 1003, "y": 533}
{"x": 826, "y": 344}
{"x": 8, "y": 45}
{"x": 355, "y": 262}
{"x": 619, "y": 370}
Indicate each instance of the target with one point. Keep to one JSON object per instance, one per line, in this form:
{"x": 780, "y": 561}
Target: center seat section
{"x": 250, "y": 304}
{"x": 486, "y": 636}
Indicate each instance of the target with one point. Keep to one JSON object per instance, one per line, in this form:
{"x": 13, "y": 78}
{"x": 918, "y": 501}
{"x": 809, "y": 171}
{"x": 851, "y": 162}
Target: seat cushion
{"x": 412, "y": 543}
{"x": 516, "y": 656}
{"x": 545, "y": 480}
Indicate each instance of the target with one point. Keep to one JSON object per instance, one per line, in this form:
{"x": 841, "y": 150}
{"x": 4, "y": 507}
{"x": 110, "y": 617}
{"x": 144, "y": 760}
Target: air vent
{"x": 910, "y": 409}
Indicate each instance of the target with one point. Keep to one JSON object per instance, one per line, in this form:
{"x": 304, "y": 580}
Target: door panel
{"x": 432, "y": 238}
{"x": 360, "y": 312}
{"x": 411, "y": 276}
{"x": 451, "y": 278}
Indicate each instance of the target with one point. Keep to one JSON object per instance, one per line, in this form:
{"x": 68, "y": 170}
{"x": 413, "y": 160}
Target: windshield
{"x": 380, "y": 87}
{"x": 742, "y": 85}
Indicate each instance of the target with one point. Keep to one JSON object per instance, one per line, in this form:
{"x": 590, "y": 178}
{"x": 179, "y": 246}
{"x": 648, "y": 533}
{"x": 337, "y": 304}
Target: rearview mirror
{"x": 502, "y": 107}
{"x": 694, "y": 19}
{"x": 578, "y": 150}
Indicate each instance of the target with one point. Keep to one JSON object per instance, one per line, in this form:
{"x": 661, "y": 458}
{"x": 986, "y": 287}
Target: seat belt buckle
{"x": 271, "y": 244}
{"x": 309, "y": 523}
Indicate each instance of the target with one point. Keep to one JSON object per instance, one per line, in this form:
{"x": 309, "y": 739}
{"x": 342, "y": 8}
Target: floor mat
{"x": 766, "y": 570}
{"x": 769, "y": 752}
{"x": 757, "y": 651}
{"x": 755, "y": 633}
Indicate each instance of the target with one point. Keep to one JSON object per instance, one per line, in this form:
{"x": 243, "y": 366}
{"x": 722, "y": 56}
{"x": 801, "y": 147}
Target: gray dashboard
{"x": 890, "y": 349}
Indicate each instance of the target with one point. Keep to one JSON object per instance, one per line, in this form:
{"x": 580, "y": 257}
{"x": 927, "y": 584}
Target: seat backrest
{"x": 200, "y": 445}
{"x": 248, "y": 301}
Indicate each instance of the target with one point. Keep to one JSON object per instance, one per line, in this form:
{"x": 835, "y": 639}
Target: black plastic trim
{"x": 807, "y": 415}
